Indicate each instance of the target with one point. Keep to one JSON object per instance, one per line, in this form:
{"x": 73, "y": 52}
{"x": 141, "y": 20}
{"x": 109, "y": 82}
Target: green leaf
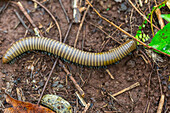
{"x": 107, "y": 9}
{"x": 161, "y": 40}
{"x": 166, "y": 17}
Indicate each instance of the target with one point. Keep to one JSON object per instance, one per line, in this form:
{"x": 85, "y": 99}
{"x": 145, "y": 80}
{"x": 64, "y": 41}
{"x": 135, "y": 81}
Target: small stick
{"x": 21, "y": 20}
{"x": 109, "y": 36}
{"x": 73, "y": 80}
{"x": 158, "y": 14}
{"x": 115, "y": 99}
{"x": 111, "y": 76}
{"x": 146, "y": 1}
{"x": 37, "y": 32}
{"x": 76, "y": 12}
{"x": 151, "y": 18}
{"x": 57, "y": 24}
{"x": 26, "y": 14}
{"x": 161, "y": 103}
{"x": 68, "y": 31}
{"x": 81, "y": 24}
{"x": 126, "y": 89}
{"x": 140, "y": 3}
{"x": 86, "y": 108}
{"x": 49, "y": 76}
{"x": 4, "y": 6}
{"x": 81, "y": 99}
{"x": 125, "y": 31}
{"x": 143, "y": 58}
{"x": 68, "y": 20}
{"x": 160, "y": 86}
{"x": 147, "y": 110}
{"x": 146, "y": 58}
{"x": 141, "y": 14}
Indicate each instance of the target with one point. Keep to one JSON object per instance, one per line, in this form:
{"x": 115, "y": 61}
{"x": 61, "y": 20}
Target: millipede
{"x": 67, "y": 52}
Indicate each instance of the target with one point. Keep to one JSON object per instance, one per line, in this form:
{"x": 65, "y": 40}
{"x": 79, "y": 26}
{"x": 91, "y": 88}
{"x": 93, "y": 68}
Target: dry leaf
{"x": 24, "y": 107}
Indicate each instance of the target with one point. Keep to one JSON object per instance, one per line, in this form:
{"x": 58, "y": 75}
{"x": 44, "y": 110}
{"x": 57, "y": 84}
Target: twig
{"x": 86, "y": 108}
{"x": 70, "y": 25}
{"x": 140, "y": 3}
{"x": 148, "y": 99}
{"x": 81, "y": 24}
{"x": 109, "y": 38}
{"x": 73, "y": 80}
{"x": 152, "y": 16}
{"x": 158, "y": 14}
{"x": 21, "y": 20}
{"x": 161, "y": 103}
{"x": 47, "y": 81}
{"x": 59, "y": 30}
{"x": 76, "y": 12}
{"x": 148, "y": 106}
{"x": 104, "y": 32}
{"x": 4, "y": 6}
{"x": 126, "y": 89}
{"x": 37, "y": 32}
{"x": 159, "y": 81}
{"x": 26, "y": 14}
{"x": 141, "y": 14}
{"x": 111, "y": 76}
{"x": 68, "y": 20}
{"x": 125, "y": 31}
{"x": 115, "y": 99}
{"x": 81, "y": 99}
{"x": 146, "y": 58}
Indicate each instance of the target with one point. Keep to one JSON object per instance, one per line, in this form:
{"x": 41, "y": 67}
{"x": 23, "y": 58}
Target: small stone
{"x": 107, "y": 84}
{"x": 123, "y": 7}
{"x": 41, "y": 83}
{"x": 15, "y": 82}
{"x": 33, "y": 81}
{"x": 55, "y": 84}
{"x": 164, "y": 82}
{"x": 118, "y": 0}
{"x": 56, "y": 103}
{"x": 60, "y": 86}
{"x": 130, "y": 79}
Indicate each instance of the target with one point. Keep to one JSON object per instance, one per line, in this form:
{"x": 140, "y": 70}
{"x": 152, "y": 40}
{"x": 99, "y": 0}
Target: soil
{"x": 95, "y": 82}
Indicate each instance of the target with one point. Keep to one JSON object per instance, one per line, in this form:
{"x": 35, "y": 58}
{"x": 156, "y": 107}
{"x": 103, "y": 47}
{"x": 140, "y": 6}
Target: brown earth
{"x": 96, "y": 83}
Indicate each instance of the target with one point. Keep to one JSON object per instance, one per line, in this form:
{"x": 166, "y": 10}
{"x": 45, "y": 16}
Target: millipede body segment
{"x": 67, "y": 52}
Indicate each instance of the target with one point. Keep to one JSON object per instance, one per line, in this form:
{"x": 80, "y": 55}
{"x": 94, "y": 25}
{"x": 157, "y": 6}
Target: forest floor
{"x": 97, "y": 84}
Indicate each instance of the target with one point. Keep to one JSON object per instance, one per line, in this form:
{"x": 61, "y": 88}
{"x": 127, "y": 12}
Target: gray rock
{"x": 118, "y": 0}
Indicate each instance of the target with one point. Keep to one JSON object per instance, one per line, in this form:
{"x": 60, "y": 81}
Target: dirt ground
{"x": 95, "y": 82}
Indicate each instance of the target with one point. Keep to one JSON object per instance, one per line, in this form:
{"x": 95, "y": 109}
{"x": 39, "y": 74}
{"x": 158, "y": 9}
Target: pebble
{"x": 118, "y": 0}
{"x": 107, "y": 84}
{"x": 164, "y": 82}
{"x": 33, "y": 81}
{"x": 123, "y": 7}
{"x": 55, "y": 84}
{"x": 56, "y": 103}
{"x": 15, "y": 82}
{"x": 41, "y": 83}
{"x": 60, "y": 86}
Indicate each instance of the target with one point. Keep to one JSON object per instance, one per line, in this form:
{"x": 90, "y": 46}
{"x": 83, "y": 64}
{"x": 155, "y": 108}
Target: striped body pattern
{"x": 67, "y": 52}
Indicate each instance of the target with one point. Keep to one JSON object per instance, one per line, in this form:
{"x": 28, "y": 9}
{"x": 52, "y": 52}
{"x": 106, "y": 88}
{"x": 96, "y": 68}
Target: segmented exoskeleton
{"x": 67, "y": 52}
